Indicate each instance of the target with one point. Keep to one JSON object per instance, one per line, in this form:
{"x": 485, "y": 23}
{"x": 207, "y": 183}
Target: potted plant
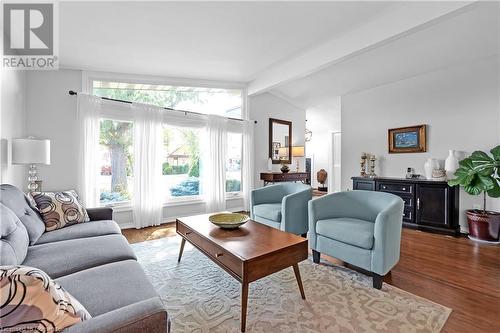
{"x": 480, "y": 173}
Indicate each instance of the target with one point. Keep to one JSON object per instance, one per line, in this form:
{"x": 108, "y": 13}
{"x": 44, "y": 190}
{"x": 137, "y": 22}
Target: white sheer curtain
{"x": 148, "y": 144}
{"x": 88, "y": 111}
{"x": 214, "y": 168}
{"x": 247, "y": 172}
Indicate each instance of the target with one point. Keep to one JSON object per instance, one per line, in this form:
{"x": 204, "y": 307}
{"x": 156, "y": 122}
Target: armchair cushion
{"x": 270, "y": 211}
{"x": 348, "y": 230}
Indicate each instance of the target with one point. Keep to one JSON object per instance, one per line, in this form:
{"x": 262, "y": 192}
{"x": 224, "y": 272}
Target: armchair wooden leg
{"x": 377, "y": 281}
{"x": 316, "y": 256}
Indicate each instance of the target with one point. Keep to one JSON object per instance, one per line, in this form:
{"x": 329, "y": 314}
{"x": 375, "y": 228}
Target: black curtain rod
{"x": 72, "y": 93}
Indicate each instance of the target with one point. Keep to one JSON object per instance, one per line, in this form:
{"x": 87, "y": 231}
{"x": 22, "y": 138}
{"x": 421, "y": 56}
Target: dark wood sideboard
{"x": 429, "y": 205}
{"x": 274, "y": 177}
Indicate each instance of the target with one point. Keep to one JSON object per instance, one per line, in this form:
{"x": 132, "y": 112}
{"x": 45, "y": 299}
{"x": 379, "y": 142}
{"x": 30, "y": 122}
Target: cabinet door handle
{"x": 418, "y": 203}
{"x": 188, "y": 232}
{"x": 217, "y": 255}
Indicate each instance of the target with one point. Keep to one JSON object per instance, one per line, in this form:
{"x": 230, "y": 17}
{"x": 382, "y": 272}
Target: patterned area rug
{"x": 201, "y": 297}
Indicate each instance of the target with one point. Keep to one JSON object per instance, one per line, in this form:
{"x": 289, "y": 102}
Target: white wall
{"x": 13, "y": 125}
{"x": 322, "y": 122}
{"x": 460, "y": 104}
{"x": 51, "y": 114}
{"x": 265, "y": 106}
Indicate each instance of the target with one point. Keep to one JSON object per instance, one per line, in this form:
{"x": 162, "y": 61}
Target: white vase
{"x": 269, "y": 164}
{"x": 430, "y": 165}
{"x": 451, "y": 164}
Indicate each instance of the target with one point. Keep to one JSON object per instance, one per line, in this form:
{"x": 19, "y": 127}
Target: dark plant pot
{"x": 484, "y": 226}
{"x": 285, "y": 169}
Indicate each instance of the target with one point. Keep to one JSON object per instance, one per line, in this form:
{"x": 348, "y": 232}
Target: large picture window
{"x": 182, "y": 155}
{"x": 116, "y": 161}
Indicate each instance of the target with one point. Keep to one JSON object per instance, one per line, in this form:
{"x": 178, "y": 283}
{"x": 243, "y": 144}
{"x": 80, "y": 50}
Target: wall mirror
{"x": 280, "y": 141}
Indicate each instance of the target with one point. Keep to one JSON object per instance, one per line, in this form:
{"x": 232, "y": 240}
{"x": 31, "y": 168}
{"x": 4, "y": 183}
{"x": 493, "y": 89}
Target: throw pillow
{"x": 60, "y": 209}
{"x": 32, "y": 301}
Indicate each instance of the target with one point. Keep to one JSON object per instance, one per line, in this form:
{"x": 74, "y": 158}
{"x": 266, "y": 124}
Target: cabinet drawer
{"x": 212, "y": 250}
{"x": 395, "y": 187}
{"x": 408, "y": 200}
{"x": 368, "y": 185}
{"x": 223, "y": 257}
{"x": 188, "y": 234}
{"x": 408, "y": 215}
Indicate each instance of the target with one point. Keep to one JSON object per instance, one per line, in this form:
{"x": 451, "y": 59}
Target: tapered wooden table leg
{"x": 183, "y": 242}
{"x": 299, "y": 280}
{"x": 244, "y": 302}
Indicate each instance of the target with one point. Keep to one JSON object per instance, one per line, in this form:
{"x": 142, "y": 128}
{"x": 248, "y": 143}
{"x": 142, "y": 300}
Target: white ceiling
{"x": 229, "y": 41}
{"x": 472, "y": 33}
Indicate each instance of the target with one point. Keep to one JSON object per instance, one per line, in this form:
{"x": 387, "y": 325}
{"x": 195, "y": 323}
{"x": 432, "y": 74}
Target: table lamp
{"x": 31, "y": 151}
{"x": 298, "y": 151}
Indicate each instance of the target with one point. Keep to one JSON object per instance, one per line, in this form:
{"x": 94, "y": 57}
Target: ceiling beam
{"x": 402, "y": 19}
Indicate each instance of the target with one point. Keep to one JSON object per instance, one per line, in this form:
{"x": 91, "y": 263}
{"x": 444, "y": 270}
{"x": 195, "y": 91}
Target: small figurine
{"x": 372, "y": 166}
{"x": 364, "y": 156}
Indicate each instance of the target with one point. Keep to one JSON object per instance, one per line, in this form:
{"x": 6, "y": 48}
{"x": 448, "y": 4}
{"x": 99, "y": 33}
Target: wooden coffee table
{"x": 248, "y": 253}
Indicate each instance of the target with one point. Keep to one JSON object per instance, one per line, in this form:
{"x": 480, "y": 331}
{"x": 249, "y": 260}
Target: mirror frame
{"x": 282, "y": 122}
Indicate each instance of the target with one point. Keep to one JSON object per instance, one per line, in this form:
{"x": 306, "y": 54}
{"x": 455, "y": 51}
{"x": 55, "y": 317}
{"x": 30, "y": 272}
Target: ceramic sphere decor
{"x": 228, "y": 220}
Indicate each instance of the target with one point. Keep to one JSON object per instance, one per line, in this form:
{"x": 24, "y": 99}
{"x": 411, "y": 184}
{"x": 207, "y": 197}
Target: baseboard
{"x": 130, "y": 225}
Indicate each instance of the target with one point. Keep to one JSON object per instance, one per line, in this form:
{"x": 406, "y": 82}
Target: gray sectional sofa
{"x": 91, "y": 260}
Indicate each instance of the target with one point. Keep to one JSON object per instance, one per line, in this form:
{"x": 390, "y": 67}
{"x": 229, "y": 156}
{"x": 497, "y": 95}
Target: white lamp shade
{"x": 298, "y": 151}
{"x": 30, "y": 151}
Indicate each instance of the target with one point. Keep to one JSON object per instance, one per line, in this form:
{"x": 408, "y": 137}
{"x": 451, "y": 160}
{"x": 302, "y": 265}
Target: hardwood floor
{"x": 455, "y": 272}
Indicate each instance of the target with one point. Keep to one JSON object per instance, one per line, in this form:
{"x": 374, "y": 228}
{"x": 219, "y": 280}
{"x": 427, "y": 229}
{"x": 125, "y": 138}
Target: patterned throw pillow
{"x": 31, "y": 301}
{"x": 60, "y": 209}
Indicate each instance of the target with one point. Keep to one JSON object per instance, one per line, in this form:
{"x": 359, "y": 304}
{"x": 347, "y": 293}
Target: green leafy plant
{"x": 479, "y": 173}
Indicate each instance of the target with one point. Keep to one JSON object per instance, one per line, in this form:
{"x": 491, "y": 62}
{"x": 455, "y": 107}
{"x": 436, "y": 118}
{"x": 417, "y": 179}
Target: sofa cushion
{"x": 15, "y": 200}
{"x": 108, "y": 287}
{"x": 13, "y": 238}
{"x": 81, "y": 230}
{"x": 270, "y": 211}
{"x": 70, "y": 256}
{"x": 34, "y": 302}
{"x": 60, "y": 209}
{"x": 347, "y": 230}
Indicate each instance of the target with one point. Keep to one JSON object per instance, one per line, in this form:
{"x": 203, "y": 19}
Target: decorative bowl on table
{"x": 228, "y": 220}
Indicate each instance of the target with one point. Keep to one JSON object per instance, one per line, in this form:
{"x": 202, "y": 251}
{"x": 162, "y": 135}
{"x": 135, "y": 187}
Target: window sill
{"x": 127, "y": 206}
{"x": 234, "y": 196}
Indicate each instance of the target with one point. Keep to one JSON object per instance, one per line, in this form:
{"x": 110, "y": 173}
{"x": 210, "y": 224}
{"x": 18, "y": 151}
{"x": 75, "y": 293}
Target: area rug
{"x": 201, "y": 297}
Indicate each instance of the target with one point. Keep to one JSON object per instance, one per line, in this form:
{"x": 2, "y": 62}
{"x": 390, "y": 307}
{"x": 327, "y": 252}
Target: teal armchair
{"x": 282, "y": 206}
{"x": 362, "y": 228}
